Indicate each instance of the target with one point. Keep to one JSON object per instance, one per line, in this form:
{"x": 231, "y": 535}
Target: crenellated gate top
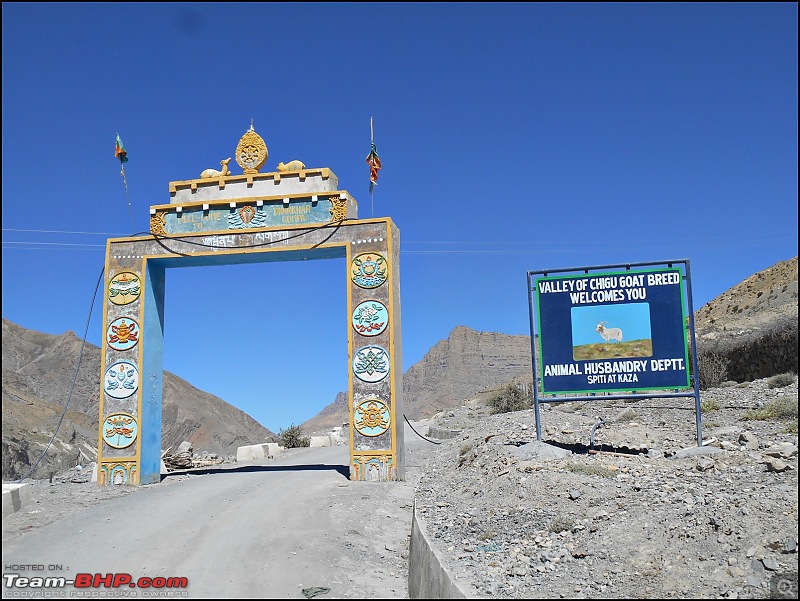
{"x": 219, "y": 200}
{"x": 223, "y": 218}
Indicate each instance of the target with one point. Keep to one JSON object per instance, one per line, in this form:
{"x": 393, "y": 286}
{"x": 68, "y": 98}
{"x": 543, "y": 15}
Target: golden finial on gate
{"x": 251, "y": 153}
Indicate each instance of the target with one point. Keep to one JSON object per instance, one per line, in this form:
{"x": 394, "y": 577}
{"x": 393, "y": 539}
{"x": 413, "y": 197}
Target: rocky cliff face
{"x": 461, "y": 366}
{"x": 37, "y": 374}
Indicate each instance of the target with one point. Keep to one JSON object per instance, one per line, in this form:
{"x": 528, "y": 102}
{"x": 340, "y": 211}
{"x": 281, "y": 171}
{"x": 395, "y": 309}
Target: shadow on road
{"x": 202, "y": 471}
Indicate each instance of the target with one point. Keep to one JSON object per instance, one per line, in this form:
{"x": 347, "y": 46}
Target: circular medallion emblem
{"x": 124, "y": 288}
{"x": 368, "y": 270}
{"x": 121, "y": 380}
{"x": 371, "y": 363}
{"x": 120, "y": 430}
{"x": 251, "y": 152}
{"x": 370, "y": 318}
{"x": 122, "y": 334}
{"x": 372, "y": 417}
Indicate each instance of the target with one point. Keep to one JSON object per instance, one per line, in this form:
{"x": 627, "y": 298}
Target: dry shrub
{"x": 510, "y": 397}
{"x": 292, "y": 438}
{"x": 780, "y": 380}
{"x": 713, "y": 369}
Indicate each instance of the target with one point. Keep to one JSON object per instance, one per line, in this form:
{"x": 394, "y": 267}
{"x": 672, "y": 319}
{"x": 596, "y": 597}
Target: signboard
{"x": 612, "y": 331}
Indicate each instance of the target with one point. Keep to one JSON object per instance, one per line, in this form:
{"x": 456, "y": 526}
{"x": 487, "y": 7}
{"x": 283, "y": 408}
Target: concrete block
{"x": 13, "y": 498}
{"x": 320, "y": 441}
{"x": 442, "y": 433}
{"x": 253, "y": 452}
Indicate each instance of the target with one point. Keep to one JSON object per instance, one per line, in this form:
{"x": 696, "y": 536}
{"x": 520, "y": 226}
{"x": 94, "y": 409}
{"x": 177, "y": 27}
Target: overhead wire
{"x": 74, "y": 380}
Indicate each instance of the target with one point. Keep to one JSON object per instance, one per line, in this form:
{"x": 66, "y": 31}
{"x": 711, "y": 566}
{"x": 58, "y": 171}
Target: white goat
{"x": 609, "y": 333}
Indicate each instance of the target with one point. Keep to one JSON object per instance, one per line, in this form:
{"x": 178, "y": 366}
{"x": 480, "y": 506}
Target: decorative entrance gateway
{"x": 222, "y": 219}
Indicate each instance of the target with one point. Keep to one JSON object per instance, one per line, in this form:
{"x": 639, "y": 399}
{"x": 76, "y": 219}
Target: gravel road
{"x": 256, "y": 530}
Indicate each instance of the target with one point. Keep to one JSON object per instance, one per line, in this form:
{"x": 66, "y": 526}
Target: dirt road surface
{"x": 259, "y": 530}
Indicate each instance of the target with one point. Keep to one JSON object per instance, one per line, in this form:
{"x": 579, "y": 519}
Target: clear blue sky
{"x": 514, "y": 137}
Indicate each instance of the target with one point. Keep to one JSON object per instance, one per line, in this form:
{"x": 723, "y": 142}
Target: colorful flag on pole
{"x": 120, "y": 151}
{"x": 374, "y": 162}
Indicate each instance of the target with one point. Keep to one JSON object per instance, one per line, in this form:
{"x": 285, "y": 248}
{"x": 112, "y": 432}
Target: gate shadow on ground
{"x": 343, "y": 470}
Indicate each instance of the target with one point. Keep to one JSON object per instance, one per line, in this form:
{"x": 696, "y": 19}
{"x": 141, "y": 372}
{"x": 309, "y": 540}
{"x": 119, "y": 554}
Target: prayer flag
{"x": 120, "y": 151}
{"x": 374, "y": 162}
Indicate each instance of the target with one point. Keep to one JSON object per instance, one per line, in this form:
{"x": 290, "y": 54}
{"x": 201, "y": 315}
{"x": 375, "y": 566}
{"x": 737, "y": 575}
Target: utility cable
{"x": 74, "y": 379}
{"x": 418, "y": 434}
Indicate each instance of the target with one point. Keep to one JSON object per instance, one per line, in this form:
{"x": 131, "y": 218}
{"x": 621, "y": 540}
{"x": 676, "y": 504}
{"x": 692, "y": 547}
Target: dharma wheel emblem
{"x": 372, "y": 417}
{"x": 251, "y": 153}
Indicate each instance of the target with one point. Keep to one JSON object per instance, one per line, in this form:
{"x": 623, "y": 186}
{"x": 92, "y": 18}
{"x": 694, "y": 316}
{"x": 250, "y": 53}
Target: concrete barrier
{"x": 320, "y": 441}
{"x": 256, "y": 452}
{"x": 442, "y": 433}
{"x": 13, "y": 498}
{"x": 428, "y": 578}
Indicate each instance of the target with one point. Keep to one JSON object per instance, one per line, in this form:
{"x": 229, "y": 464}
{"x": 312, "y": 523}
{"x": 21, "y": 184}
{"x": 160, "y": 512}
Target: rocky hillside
{"x": 37, "y": 374}
{"x": 644, "y": 513}
{"x": 759, "y": 300}
{"x": 754, "y": 324}
{"x": 459, "y": 367}
{"x": 752, "y": 328}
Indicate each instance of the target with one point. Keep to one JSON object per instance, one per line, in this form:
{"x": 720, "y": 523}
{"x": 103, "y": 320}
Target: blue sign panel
{"x": 616, "y": 331}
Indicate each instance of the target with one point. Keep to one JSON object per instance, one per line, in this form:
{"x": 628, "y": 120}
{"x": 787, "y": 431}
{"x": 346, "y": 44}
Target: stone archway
{"x": 230, "y": 219}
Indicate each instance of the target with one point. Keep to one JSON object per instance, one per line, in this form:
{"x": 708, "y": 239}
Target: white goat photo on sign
{"x": 609, "y": 334}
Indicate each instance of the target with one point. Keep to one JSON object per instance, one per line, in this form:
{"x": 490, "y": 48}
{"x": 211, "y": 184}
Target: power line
{"x": 511, "y": 248}
{"x": 10, "y": 229}
{"x": 56, "y": 244}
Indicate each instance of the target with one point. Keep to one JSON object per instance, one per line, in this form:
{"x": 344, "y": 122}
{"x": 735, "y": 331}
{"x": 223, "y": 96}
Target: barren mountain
{"x": 333, "y": 415}
{"x": 754, "y": 324}
{"x": 38, "y": 370}
{"x": 461, "y": 366}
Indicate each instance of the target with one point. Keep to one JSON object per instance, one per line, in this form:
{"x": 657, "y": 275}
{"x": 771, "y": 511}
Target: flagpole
{"x": 122, "y": 155}
{"x": 128, "y": 196}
